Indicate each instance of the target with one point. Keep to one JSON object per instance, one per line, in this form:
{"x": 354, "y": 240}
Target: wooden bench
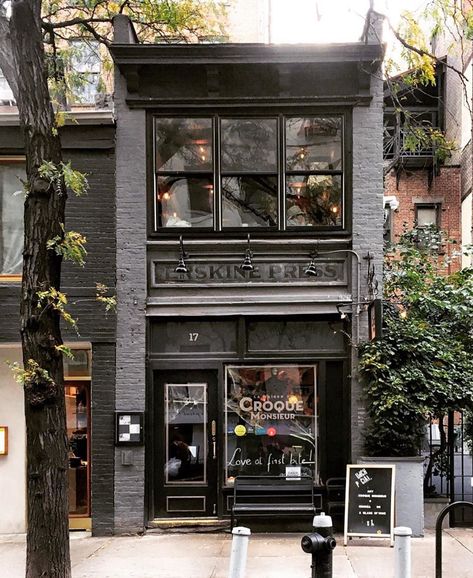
{"x": 272, "y": 496}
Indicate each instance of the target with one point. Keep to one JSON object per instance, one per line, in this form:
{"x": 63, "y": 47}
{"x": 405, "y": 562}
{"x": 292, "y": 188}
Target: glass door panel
{"x": 186, "y": 433}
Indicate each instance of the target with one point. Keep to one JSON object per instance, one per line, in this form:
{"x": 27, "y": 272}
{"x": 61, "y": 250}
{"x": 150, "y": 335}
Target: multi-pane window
{"x": 273, "y": 173}
{"x": 85, "y": 65}
{"x": 12, "y": 198}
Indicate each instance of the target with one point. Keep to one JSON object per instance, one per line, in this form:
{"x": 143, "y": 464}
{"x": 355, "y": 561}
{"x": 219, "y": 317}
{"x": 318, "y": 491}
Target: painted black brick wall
{"x": 103, "y": 449}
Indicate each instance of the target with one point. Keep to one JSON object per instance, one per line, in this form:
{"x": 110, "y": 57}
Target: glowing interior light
{"x": 334, "y": 209}
{"x": 166, "y": 196}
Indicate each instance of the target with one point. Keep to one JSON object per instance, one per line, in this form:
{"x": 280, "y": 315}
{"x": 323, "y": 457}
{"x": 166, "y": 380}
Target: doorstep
{"x": 211, "y": 524}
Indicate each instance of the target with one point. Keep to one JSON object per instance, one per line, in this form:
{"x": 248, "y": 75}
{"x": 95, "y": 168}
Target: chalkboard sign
{"x": 369, "y": 503}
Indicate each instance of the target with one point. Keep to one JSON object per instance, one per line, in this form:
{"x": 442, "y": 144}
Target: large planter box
{"x": 432, "y": 508}
{"x": 409, "y": 504}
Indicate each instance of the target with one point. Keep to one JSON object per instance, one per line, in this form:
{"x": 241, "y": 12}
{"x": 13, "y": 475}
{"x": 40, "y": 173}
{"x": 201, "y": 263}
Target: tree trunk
{"x": 46, "y": 436}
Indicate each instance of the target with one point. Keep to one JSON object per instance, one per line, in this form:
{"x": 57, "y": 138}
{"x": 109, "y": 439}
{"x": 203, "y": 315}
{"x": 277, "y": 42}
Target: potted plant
{"x": 422, "y": 366}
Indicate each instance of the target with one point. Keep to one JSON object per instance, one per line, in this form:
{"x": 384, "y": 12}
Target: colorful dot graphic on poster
{"x": 240, "y": 430}
{"x": 271, "y": 431}
{"x": 260, "y": 431}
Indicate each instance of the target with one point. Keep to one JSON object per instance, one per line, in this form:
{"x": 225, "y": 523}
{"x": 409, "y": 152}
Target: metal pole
{"x": 241, "y": 536}
{"x": 438, "y": 534}
{"x": 402, "y": 552}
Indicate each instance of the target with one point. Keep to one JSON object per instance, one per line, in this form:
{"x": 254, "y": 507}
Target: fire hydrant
{"x": 320, "y": 544}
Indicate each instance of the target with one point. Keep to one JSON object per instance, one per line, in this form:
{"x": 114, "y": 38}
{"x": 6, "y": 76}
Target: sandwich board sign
{"x": 369, "y": 501}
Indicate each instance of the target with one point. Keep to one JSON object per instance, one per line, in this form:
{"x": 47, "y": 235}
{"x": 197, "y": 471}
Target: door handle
{"x": 213, "y": 431}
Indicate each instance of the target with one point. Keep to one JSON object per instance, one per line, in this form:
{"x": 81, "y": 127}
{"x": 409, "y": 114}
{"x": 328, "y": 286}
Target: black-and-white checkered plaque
{"x": 129, "y": 428}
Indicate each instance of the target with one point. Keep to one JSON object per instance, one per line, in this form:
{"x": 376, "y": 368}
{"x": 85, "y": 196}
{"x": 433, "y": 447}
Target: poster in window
{"x": 271, "y": 421}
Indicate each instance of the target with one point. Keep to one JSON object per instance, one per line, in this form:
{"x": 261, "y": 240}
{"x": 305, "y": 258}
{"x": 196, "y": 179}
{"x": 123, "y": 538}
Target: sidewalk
{"x": 269, "y": 556}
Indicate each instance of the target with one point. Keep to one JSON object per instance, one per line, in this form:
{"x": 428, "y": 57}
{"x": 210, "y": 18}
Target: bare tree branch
{"x": 74, "y": 22}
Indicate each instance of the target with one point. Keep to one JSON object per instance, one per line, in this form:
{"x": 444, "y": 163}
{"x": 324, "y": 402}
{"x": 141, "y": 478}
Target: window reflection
{"x": 314, "y": 144}
{"x": 12, "y": 201}
{"x": 183, "y": 144}
{"x": 250, "y": 201}
{"x": 249, "y": 145}
{"x": 185, "y": 202}
{"x": 271, "y": 421}
{"x": 313, "y": 200}
{"x": 186, "y": 433}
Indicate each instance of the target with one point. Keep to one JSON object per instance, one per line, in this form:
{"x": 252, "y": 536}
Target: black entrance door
{"x": 186, "y": 443}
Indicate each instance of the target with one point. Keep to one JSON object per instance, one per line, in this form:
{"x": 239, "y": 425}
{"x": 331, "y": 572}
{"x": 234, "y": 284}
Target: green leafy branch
{"x": 71, "y": 246}
{"x": 65, "y": 350}
{"x": 418, "y": 138}
{"x": 38, "y": 384}
{"x": 74, "y": 180}
{"x": 57, "y": 301}
{"x": 110, "y": 301}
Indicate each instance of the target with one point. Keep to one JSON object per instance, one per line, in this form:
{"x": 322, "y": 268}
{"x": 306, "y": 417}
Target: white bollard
{"x": 402, "y": 552}
{"x": 241, "y": 537}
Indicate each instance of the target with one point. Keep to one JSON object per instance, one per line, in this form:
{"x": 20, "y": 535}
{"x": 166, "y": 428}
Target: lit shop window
{"x": 78, "y": 412}
{"x": 271, "y": 421}
{"x": 77, "y": 372}
{"x": 12, "y": 199}
{"x": 226, "y": 174}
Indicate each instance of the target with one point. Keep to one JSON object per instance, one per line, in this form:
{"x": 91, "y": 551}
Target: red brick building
{"x": 420, "y": 190}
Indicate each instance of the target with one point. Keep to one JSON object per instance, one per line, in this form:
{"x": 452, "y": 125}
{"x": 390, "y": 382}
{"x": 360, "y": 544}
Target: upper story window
{"x": 427, "y": 215}
{"x": 12, "y": 199}
{"x": 226, "y": 174}
{"x": 85, "y": 73}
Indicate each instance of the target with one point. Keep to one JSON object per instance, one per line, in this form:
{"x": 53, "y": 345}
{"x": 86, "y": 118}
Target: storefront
{"x": 243, "y": 396}
{"x": 249, "y": 227}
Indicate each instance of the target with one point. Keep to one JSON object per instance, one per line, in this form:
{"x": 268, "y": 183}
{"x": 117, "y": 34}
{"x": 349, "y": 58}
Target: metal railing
{"x": 397, "y": 143}
{"x": 438, "y": 533}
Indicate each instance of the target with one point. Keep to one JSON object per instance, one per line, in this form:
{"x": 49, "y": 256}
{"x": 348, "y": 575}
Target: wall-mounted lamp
{"x": 3, "y": 440}
{"x": 346, "y": 309}
{"x": 247, "y": 264}
{"x": 343, "y": 310}
{"x": 181, "y": 265}
{"x": 311, "y": 269}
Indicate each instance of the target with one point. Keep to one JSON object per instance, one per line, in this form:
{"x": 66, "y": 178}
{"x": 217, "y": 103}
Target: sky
{"x": 295, "y": 21}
